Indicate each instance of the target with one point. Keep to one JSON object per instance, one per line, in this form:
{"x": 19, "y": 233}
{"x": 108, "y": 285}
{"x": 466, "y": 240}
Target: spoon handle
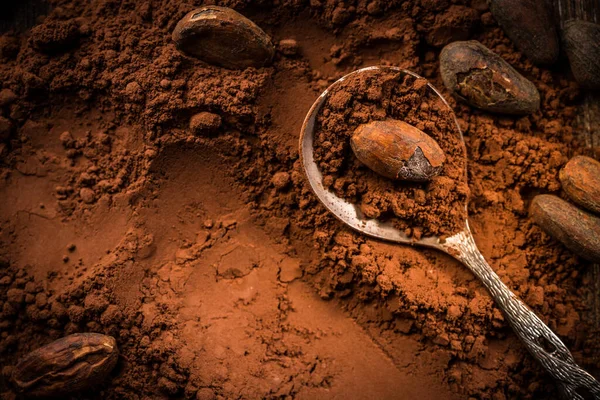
{"x": 541, "y": 342}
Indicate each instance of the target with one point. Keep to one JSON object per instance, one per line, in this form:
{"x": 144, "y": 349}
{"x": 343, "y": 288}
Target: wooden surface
{"x": 586, "y": 10}
{"x": 589, "y": 121}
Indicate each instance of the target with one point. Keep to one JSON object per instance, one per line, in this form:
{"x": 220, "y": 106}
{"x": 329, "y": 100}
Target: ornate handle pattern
{"x": 541, "y": 342}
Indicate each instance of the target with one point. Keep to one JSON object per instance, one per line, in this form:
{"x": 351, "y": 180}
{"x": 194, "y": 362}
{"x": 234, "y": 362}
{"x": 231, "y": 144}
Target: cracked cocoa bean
{"x": 580, "y": 179}
{"x": 397, "y": 150}
{"x": 529, "y": 24}
{"x": 582, "y": 45}
{"x": 223, "y": 37}
{"x": 67, "y": 365}
{"x": 578, "y": 230}
{"x": 475, "y": 74}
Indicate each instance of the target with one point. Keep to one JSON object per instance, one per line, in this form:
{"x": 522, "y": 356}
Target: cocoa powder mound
{"x": 435, "y": 208}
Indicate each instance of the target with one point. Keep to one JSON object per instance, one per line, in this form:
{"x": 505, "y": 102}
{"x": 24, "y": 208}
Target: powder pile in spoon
{"x": 436, "y": 207}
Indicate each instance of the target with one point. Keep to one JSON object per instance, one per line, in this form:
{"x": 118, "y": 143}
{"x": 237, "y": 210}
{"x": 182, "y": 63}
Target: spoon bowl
{"x": 541, "y": 342}
{"x": 345, "y": 211}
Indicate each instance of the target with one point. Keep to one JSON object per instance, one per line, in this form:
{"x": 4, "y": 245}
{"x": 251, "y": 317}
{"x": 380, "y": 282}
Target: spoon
{"x": 539, "y": 340}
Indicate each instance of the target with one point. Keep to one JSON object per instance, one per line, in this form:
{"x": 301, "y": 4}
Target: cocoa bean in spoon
{"x": 580, "y": 179}
{"x": 578, "y": 230}
{"x": 397, "y": 150}
{"x": 359, "y": 111}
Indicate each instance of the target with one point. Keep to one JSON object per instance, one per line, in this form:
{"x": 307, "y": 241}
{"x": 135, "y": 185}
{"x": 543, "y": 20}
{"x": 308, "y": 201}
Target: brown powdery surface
{"x": 437, "y": 207}
{"x": 208, "y": 258}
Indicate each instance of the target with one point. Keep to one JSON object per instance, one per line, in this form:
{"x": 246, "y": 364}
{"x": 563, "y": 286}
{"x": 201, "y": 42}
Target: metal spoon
{"x": 541, "y": 342}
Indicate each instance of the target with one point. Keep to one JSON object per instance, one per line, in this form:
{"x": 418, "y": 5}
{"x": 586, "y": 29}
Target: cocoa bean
{"x": 475, "y": 74}
{"x": 582, "y": 45}
{"x": 67, "y": 365}
{"x": 397, "y": 150}
{"x": 222, "y": 36}
{"x": 529, "y": 24}
{"x": 580, "y": 179}
{"x": 578, "y": 230}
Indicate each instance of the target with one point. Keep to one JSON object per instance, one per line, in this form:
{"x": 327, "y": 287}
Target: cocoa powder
{"x": 435, "y": 208}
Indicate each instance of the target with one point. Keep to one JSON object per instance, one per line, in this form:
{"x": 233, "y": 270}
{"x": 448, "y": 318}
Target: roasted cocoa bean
{"x": 397, "y": 150}
{"x": 582, "y": 45}
{"x": 578, "y": 230}
{"x": 529, "y": 24}
{"x": 67, "y": 365}
{"x": 224, "y": 37}
{"x": 580, "y": 179}
{"x": 475, "y": 74}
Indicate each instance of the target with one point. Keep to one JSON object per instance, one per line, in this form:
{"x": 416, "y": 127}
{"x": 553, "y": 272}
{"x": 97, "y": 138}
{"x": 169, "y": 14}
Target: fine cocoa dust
{"x": 435, "y": 208}
{"x": 198, "y": 244}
